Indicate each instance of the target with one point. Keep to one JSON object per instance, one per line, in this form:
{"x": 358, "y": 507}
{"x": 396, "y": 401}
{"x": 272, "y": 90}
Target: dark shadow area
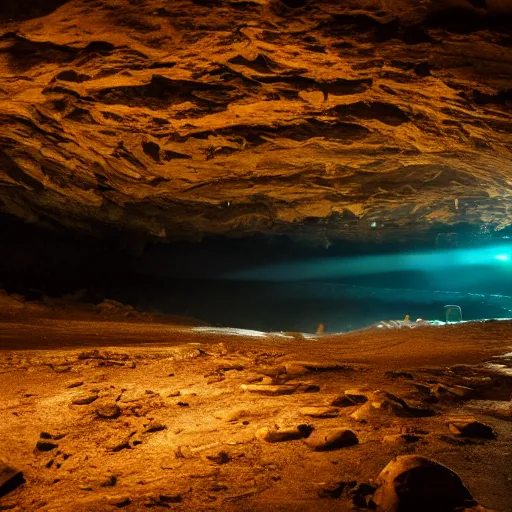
{"x": 20, "y": 10}
{"x": 264, "y": 283}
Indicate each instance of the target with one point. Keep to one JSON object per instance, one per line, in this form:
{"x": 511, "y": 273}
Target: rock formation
{"x": 319, "y": 119}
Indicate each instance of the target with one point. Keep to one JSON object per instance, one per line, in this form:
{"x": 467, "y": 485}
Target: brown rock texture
{"x": 319, "y": 119}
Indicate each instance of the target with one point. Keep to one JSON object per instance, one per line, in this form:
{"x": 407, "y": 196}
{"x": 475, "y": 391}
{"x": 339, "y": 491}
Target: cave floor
{"x": 188, "y": 407}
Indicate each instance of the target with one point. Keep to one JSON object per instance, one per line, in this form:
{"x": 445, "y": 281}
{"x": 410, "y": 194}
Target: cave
{"x": 255, "y": 255}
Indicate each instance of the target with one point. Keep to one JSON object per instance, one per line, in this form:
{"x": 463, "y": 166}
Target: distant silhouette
{"x": 320, "y": 329}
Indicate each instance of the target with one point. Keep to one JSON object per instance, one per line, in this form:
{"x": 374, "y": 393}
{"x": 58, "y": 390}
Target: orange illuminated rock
{"x": 268, "y": 389}
{"x": 331, "y": 439}
{"x": 320, "y": 412}
{"x": 284, "y": 434}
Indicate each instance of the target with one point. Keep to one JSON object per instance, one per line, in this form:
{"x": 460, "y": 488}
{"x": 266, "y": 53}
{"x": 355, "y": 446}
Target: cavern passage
{"x": 219, "y": 222}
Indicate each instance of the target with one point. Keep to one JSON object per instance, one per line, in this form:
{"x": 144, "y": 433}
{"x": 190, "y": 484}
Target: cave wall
{"x": 321, "y": 120}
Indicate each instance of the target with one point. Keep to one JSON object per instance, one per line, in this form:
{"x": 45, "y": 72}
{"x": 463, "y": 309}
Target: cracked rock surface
{"x": 318, "y": 119}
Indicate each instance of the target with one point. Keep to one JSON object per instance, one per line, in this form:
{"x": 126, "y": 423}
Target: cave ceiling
{"x": 322, "y": 120}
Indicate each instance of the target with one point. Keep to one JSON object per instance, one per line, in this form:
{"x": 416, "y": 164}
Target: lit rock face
{"x": 320, "y": 119}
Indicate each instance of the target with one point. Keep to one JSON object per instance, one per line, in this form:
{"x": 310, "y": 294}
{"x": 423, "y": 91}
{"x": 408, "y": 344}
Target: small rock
{"x": 349, "y": 398}
{"x": 111, "y": 481}
{"x": 85, "y": 400}
{"x": 401, "y": 438}
{"x": 308, "y": 388}
{"x": 61, "y": 368}
{"x": 222, "y": 457}
{"x": 154, "y": 426}
{"x": 10, "y": 478}
{"x": 118, "y": 501}
{"x": 184, "y": 452}
{"x": 320, "y": 412}
{"x": 331, "y": 439}
{"x": 295, "y": 370}
{"x": 120, "y": 445}
{"x": 411, "y": 482}
{"x": 174, "y": 394}
{"x": 183, "y": 404}
{"x": 108, "y": 411}
{"x": 76, "y": 384}
{"x": 269, "y": 390}
{"x": 235, "y": 415}
{"x": 330, "y": 489}
{"x": 45, "y": 446}
{"x": 444, "y": 391}
{"x": 284, "y": 434}
{"x": 472, "y": 429}
{"x": 164, "y": 500}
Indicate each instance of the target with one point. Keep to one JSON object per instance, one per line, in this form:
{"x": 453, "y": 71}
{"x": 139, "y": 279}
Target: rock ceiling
{"x": 326, "y": 120}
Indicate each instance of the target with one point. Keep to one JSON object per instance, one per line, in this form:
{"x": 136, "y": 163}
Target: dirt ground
{"x": 102, "y": 415}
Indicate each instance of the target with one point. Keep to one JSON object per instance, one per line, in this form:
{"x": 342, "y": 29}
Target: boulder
{"x": 471, "y": 428}
{"x": 10, "y": 478}
{"x": 411, "y": 483}
{"x": 331, "y": 439}
{"x": 383, "y": 403}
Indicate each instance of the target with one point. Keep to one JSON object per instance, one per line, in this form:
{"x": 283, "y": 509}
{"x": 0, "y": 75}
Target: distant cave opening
{"x": 262, "y": 282}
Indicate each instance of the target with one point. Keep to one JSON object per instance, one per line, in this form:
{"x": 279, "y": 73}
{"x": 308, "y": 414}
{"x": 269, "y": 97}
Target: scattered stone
{"x": 111, "y": 481}
{"x": 471, "y": 428}
{"x": 331, "y": 439}
{"x": 164, "y": 500}
{"x": 118, "y": 446}
{"x": 444, "y": 391}
{"x": 222, "y": 457}
{"x": 108, "y": 411}
{"x": 401, "y": 438}
{"x": 85, "y": 400}
{"x": 228, "y": 367}
{"x": 183, "y": 404}
{"x": 382, "y": 402}
{"x": 330, "y": 489}
{"x": 174, "y": 394}
{"x": 320, "y": 412}
{"x": 118, "y": 501}
{"x": 284, "y": 434}
{"x": 45, "y": 446}
{"x": 295, "y": 370}
{"x": 10, "y": 478}
{"x": 269, "y": 390}
{"x": 154, "y": 426}
{"x": 349, "y": 398}
{"x": 308, "y": 388}
{"x": 76, "y": 384}
{"x": 60, "y": 368}
{"x": 47, "y": 435}
{"x": 184, "y": 452}
{"x": 235, "y": 415}
{"x": 414, "y": 483}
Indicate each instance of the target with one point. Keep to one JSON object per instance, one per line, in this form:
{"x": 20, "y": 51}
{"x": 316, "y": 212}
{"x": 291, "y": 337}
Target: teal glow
{"x": 339, "y": 267}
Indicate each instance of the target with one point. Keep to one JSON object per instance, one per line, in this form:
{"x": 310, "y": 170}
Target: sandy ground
{"x": 189, "y": 407}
